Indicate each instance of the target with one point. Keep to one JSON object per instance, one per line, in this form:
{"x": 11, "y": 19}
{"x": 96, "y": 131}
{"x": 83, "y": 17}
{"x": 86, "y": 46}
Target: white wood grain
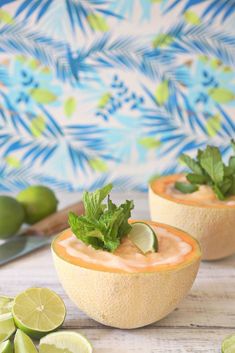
{"x": 198, "y": 325}
{"x": 154, "y": 340}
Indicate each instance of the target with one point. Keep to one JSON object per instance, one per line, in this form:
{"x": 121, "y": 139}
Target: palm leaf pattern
{"x": 112, "y": 92}
{"x": 213, "y": 9}
{"x": 79, "y": 12}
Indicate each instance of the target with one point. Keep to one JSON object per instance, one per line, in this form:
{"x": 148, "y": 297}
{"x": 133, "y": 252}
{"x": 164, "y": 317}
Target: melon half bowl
{"x": 127, "y": 289}
{"x": 201, "y": 214}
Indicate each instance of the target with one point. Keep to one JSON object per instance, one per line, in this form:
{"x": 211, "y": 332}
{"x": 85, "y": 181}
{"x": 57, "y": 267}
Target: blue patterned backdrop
{"x": 93, "y": 91}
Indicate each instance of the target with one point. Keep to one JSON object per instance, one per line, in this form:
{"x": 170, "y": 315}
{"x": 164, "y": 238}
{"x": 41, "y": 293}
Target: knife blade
{"x": 20, "y": 246}
{"x": 38, "y": 235}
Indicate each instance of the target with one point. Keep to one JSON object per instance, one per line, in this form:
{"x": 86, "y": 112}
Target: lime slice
{"x": 38, "y": 311}
{"x": 6, "y": 347}
{"x": 61, "y": 342}
{"x": 23, "y": 344}
{"x": 228, "y": 344}
{"x": 5, "y": 304}
{"x": 144, "y": 237}
{"x": 7, "y": 326}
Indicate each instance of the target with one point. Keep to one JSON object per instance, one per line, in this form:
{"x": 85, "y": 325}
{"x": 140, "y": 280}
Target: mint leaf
{"x": 185, "y": 188}
{"x": 191, "y": 163}
{"x": 225, "y": 185}
{"x": 211, "y": 162}
{"x": 232, "y": 164}
{"x": 125, "y": 227}
{"x": 199, "y": 153}
{"x": 230, "y": 169}
{"x": 197, "y": 179}
{"x": 232, "y": 188}
{"x": 93, "y": 201}
{"x": 82, "y": 226}
{"x": 233, "y": 144}
{"x": 104, "y": 224}
{"x": 218, "y": 192}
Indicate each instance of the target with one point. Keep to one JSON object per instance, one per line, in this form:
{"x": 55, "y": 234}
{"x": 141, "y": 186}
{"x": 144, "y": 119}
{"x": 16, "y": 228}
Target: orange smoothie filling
{"x": 175, "y": 247}
{"x": 204, "y": 195}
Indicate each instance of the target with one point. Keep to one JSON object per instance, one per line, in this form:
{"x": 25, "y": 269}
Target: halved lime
{"x": 38, "y": 311}
{"x": 5, "y": 304}
{"x": 65, "y": 341}
{"x": 7, "y": 326}
{"x": 144, "y": 237}
{"x": 228, "y": 344}
{"x": 6, "y": 347}
{"x": 23, "y": 344}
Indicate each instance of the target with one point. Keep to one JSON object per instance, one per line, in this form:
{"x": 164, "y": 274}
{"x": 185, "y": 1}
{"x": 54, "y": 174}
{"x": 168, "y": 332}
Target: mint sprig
{"x": 208, "y": 169}
{"x": 104, "y": 224}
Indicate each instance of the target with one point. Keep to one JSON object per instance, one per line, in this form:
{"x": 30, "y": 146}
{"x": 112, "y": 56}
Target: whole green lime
{"x": 38, "y": 201}
{"x": 11, "y": 216}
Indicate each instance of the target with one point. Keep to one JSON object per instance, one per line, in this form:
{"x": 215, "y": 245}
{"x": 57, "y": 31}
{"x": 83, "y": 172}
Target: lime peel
{"x": 11, "y": 216}
{"x": 38, "y": 201}
{"x": 144, "y": 237}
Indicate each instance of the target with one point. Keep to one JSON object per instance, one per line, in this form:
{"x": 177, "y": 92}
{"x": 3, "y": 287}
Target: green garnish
{"x": 104, "y": 224}
{"x": 208, "y": 169}
{"x": 185, "y": 188}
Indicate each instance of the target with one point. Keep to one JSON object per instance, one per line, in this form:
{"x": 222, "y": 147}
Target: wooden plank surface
{"x": 199, "y": 324}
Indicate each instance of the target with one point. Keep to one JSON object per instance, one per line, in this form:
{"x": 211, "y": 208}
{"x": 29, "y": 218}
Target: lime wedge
{"x": 228, "y": 344}
{"x": 5, "y": 304}
{"x": 61, "y": 342}
{"x": 38, "y": 311}
{"x": 144, "y": 237}
{"x": 23, "y": 344}
{"x": 6, "y": 347}
{"x": 7, "y": 326}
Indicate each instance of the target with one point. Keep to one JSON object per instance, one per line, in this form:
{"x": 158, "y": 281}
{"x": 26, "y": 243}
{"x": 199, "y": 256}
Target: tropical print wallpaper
{"x": 97, "y": 91}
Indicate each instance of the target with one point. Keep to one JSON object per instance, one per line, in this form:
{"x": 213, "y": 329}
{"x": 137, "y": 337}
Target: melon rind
{"x": 126, "y": 300}
{"x": 213, "y": 227}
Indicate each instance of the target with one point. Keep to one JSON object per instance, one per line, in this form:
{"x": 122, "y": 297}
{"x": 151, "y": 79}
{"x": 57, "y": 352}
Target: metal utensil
{"x": 38, "y": 235}
{"x": 21, "y": 245}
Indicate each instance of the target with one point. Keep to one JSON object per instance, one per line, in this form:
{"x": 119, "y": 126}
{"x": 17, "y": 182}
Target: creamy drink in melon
{"x": 201, "y": 202}
{"x": 124, "y": 278}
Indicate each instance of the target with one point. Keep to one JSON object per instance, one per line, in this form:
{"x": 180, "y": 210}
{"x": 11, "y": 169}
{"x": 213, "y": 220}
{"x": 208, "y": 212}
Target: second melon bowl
{"x": 127, "y": 300}
{"x": 212, "y": 225}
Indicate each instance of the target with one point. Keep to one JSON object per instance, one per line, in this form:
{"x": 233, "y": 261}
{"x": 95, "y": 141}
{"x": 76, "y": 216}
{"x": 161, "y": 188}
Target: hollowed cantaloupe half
{"x": 126, "y": 299}
{"x": 213, "y": 225}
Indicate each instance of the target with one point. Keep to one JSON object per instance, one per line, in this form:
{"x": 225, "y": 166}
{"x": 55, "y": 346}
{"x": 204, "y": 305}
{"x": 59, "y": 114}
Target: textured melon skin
{"x": 213, "y": 227}
{"x": 126, "y": 300}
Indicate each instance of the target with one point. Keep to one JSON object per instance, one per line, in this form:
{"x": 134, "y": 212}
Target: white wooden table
{"x": 199, "y": 324}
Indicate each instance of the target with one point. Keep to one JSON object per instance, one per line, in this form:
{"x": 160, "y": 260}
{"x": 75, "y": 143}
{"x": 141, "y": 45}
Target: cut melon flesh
{"x": 174, "y": 249}
{"x": 144, "y": 297}
{"x": 211, "y": 222}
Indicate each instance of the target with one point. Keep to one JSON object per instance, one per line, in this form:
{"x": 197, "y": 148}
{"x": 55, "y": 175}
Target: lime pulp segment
{"x": 7, "y": 326}
{"x": 23, "y": 344}
{"x": 228, "y": 345}
{"x": 6, "y": 347}
{"x": 65, "y": 342}
{"x": 38, "y": 311}
{"x": 144, "y": 237}
{"x": 5, "y": 304}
